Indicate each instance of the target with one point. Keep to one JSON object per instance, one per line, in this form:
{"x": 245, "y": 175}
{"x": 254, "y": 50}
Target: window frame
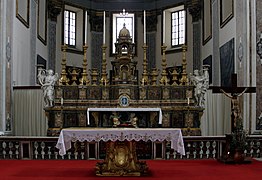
{"x": 178, "y": 32}
{"x": 112, "y": 44}
{"x": 69, "y": 32}
{"x": 80, "y": 21}
{"x": 168, "y": 27}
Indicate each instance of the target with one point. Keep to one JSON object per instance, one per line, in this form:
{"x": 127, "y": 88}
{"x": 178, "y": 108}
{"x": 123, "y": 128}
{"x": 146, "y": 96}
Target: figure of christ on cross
{"x": 234, "y": 92}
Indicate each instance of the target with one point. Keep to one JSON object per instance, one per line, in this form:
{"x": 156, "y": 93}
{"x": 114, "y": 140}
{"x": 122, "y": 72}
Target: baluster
{"x": 69, "y": 155}
{"x": 56, "y": 155}
{"x": 201, "y": 152}
{"x": 214, "y": 144}
{"x": 167, "y": 155}
{"x": 42, "y": 150}
{"x": 17, "y": 151}
{"x": 252, "y": 149}
{"x": 188, "y": 152}
{"x": 194, "y": 150}
{"x": 11, "y": 145}
{"x": 258, "y": 149}
{"x": 4, "y": 151}
{"x": 36, "y": 151}
{"x": 76, "y": 154}
{"x": 174, "y": 155}
{"x": 208, "y": 150}
{"x": 82, "y": 155}
{"x": 49, "y": 152}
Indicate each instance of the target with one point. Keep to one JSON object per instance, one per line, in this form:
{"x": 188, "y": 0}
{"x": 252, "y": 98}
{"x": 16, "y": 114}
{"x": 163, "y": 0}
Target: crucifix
{"x": 234, "y": 92}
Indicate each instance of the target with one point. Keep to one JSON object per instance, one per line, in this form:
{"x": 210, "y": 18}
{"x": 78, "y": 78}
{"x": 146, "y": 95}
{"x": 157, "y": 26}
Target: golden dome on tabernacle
{"x": 124, "y": 32}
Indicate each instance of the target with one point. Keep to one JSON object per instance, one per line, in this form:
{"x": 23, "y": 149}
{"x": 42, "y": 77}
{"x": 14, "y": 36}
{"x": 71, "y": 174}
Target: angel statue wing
{"x": 41, "y": 76}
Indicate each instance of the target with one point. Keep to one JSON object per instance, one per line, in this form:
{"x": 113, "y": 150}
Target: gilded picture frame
{"x": 226, "y": 11}
{"x": 42, "y": 21}
{"x": 207, "y": 21}
{"x": 22, "y": 11}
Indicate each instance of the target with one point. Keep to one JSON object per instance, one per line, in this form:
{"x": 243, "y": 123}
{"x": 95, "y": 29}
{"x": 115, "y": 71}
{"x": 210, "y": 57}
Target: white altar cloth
{"x": 127, "y": 110}
{"x": 113, "y": 134}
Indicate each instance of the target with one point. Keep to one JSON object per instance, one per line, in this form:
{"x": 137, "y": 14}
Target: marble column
{"x": 194, "y": 7}
{"x": 54, "y": 9}
{"x": 6, "y": 21}
{"x": 33, "y": 38}
{"x": 215, "y": 35}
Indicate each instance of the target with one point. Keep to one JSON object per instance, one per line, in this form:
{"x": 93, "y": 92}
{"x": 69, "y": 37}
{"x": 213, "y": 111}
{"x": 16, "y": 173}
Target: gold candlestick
{"x": 184, "y": 79}
{"x": 84, "y": 79}
{"x": 164, "y": 80}
{"x": 63, "y": 80}
{"x": 144, "y": 80}
{"x": 104, "y": 80}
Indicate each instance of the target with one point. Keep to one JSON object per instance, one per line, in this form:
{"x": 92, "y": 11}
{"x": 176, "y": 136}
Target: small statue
{"x": 115, "y": 118}
{"x": 47, "y": 79}
{"x": 133, "y": 120}
{"x": 201, "y": 83}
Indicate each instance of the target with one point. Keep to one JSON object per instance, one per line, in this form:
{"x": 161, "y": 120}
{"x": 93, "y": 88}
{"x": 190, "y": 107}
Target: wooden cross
{"x": 233, "y": 92}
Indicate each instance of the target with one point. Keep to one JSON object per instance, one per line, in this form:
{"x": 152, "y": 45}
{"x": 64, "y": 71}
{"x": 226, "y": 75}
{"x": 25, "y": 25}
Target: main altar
{"x": 121, "y": 158}
{"x": 125, "y": 87}
{"x": 155, "y": 98}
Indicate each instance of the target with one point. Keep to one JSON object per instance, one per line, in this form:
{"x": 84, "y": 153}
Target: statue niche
{"x": 123, "y": 66}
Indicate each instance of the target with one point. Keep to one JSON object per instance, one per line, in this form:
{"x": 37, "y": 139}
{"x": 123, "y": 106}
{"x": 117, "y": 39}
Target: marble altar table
{"x": 121, "y": 159}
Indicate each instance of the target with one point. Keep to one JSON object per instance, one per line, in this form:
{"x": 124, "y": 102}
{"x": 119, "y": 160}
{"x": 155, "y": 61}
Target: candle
{"x": 62, "y": 101}
{"x": 86, "y": 27}
{"x": 65, "y": 28}
{"x": 188, "y": 100}
{"x": 164, "y": 27}
{"x": 144, "y": 27}
{"x": 104, "y": 30}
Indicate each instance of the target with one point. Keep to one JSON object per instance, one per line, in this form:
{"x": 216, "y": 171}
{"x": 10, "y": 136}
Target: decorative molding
{"x": 54, "y": 9}
{"x": 226, "y": 11}
{"x": 194, "y": 7}
{"x": 22, "y": 11}
{"x": 42, "y": 21}
{"x": 207, "y": 21}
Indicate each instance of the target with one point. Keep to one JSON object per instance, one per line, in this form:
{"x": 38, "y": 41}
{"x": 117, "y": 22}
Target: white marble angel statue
{"x": 47, "y": 79}
{"x": 201, "y": 83}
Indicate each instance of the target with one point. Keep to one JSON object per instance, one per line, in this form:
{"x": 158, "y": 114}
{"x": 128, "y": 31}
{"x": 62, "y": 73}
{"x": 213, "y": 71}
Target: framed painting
{"x": 227, "y": 62}
{"x": 22, "y": 11}
{"x": 226, "y": 11}
{"x": 207, "y": 21}
{"x": 42, "y": 21}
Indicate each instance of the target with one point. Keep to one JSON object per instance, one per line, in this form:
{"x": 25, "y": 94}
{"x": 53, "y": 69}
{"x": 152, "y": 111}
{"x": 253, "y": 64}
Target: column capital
{"x": 194, "y": 7}
{"x": 54, "y": 9}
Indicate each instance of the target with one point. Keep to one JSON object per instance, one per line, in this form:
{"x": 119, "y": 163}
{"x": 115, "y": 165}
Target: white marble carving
{"x": 201, "y": 82}
{"x": 47, "y": 79}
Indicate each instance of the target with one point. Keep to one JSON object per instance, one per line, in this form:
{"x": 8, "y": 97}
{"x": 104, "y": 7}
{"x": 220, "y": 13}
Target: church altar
{"x": 121, "y": 159}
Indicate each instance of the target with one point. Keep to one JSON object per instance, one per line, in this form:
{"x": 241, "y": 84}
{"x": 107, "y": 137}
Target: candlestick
{"x": 104, "y": 29}
{"x": 144, "y": 27}
{"x": 164, "y": 27}
{"x": 86, "y": 27}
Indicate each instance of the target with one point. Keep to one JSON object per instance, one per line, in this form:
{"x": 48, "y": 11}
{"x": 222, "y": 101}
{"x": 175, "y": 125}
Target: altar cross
{"x": 233, "y": 92}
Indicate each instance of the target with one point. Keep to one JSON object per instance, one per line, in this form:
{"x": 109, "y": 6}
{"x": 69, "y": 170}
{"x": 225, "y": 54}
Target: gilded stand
{"x": 63, "y": 80}
{"x": 121, "y": 160}
{"x": 144, "y": 80}
{"x": 164, "y": 80}
{"x": 84, "y": 79}
{"x": 104, "y": 79}
{"x": 184, "y": 79}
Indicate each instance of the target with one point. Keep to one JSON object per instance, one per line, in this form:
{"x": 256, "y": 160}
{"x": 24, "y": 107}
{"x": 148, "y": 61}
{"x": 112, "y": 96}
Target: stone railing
{"x": 196, "y": 147}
